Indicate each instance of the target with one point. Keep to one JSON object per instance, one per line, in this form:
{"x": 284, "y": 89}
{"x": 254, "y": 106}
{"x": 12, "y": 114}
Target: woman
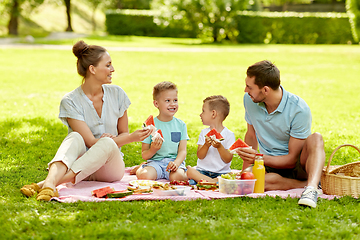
{"x": 96, "y": 116}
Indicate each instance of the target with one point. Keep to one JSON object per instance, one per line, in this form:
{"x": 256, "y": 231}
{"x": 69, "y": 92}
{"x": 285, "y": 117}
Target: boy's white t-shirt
{"x": 212, "y": 161}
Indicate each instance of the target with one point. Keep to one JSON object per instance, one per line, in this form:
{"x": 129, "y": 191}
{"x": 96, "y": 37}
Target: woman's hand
{"x": 107, "y": 135}
{"x": 140, "y": 135}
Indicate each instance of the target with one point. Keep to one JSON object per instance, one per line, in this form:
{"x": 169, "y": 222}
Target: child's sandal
{"x": 46, "y": 194}
{"x": 30, "y": 190}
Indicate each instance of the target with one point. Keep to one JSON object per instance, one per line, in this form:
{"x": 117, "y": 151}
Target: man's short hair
{"x": 163, "y": 86}
{"x": 218, "y": 103}
{"x": 265, "y": 73}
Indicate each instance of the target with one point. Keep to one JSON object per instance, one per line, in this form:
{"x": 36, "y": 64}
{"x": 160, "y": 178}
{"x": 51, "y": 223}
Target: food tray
{"x": 238, "y": 187}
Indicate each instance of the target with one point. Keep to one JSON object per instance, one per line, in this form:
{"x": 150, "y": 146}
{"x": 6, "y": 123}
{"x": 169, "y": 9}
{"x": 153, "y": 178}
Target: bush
{"x": 141, "y": 23}
{"x": 247, "y": 27}
{"x": 126, "y": 22}
{"x": 210, "y": 19}
{"x": 293, "y": 28}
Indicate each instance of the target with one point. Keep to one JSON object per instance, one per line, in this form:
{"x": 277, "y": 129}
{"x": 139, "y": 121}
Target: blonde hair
{"x": 163, "y": 86}
{"x": 218, "y": 103}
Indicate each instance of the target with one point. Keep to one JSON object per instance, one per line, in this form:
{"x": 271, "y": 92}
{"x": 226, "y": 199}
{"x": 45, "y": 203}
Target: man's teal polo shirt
{"x": 291, "y": 118}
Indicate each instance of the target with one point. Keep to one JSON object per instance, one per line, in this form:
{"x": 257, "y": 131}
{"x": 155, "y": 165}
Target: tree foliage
{"x": 211, "y": 19}
{"x": 353, "y": 9}
{"x": 282, "y": 2}
{"x": 17, "y": 8}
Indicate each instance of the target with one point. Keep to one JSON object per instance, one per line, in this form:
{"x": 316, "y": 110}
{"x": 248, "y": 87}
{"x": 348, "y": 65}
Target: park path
{"x": 122, "y": 49}
{"x": 6, "y": 43}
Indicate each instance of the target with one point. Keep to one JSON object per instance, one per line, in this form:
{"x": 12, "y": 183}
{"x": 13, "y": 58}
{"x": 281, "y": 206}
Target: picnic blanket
{"x": 69, "y": 193}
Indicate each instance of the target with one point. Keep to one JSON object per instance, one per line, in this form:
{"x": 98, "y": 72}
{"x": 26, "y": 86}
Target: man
{"x": 279, "y": 124}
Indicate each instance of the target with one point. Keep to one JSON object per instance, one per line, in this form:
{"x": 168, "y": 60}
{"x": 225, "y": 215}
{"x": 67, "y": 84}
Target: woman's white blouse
{"x": 77, "y": 105}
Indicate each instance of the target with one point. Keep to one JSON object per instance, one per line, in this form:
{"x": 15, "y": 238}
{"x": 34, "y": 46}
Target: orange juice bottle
{"x": 259, "y": 173}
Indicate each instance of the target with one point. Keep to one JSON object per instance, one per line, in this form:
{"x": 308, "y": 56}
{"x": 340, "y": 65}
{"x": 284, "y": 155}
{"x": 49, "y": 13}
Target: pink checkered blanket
{"x": 69, "y": 193}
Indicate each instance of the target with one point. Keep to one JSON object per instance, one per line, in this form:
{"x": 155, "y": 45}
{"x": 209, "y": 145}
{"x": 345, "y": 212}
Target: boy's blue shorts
{"x": 206, "y": 173}
{"x": 160, "y": 167}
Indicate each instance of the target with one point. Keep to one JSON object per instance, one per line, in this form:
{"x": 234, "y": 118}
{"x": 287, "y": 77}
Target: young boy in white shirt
{"x": 165, "y": 159}
{"x": 214, "y": 158}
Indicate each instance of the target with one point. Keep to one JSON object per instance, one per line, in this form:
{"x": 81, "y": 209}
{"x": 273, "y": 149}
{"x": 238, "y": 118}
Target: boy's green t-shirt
{"x": 173, "y": 131}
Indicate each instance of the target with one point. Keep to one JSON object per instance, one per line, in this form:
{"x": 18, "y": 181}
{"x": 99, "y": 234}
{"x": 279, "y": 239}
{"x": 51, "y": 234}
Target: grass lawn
{"x": 34, "y": 80}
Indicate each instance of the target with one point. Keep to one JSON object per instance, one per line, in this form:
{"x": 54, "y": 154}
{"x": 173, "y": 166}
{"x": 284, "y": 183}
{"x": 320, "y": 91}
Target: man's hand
{"x": 247, "y": 155}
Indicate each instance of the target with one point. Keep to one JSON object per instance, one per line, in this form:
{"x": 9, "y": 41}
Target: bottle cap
{"x": 259, "y": 154}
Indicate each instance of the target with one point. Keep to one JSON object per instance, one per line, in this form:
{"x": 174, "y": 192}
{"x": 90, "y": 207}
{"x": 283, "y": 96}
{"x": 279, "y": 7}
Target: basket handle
{"x": 333, "y": 153}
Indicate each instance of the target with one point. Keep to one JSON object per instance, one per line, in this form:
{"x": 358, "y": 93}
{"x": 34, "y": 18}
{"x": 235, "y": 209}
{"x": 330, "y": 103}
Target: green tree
{"x": 210, "y": 19}
{"x": 15, "y": 8}
{"x": 353, "y": 10}
{"x": 95, "y": 4}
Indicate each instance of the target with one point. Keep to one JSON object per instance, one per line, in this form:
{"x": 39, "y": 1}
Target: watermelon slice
{"x": 119, "y": 194}
{"x": 149, "y": 121}
{"x": 158, "y": 134}
{"x": 213, "y": 134}
{"x": 101, "y": 192}
{"x": 150, "y": 124}
{"x": 238, "y": 144}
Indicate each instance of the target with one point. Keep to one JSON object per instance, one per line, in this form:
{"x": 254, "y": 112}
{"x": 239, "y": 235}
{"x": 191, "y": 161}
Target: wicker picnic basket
{"x": 342, "y": 180}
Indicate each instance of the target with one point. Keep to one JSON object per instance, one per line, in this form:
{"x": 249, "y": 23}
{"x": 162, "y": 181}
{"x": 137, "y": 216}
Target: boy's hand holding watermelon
{"x": 213, "y": 142}
{"x": 156, "y": 144}
{"x": 213, "y": 138}
{"x": 158, "y": 134}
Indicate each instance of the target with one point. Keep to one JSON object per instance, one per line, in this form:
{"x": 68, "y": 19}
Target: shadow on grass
{"x": 117, "y": 40}
{"x": 169, "y": 40}
{"x": 26, "y": 146}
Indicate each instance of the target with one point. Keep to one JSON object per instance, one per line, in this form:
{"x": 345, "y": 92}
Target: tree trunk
{"x": 93, "y": 17}
{"x": 68, "y": 14}
{"x": 14, "y": 18}
{"x": 215, "y": 33}
{"x": 93, "y": 21}
{"x": 119, "y": 4}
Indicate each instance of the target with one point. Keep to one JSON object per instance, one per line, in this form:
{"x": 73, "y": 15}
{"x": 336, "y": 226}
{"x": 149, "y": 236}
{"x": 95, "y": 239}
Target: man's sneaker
{"x": 309, "y": 197}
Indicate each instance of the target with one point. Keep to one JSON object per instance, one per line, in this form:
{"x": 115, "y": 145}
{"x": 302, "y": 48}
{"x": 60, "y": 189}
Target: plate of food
{"x": 143, "y": 183}
{"x": 140, "y": 190}
{"x": 170, "y": 190}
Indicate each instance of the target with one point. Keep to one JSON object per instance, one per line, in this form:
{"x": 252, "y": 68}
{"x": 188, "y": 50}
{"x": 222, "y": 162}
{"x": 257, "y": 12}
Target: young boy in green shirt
{"x": 165, "y": 157}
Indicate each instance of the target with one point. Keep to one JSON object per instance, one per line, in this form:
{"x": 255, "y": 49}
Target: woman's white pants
{"x": 102, "y": 162}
